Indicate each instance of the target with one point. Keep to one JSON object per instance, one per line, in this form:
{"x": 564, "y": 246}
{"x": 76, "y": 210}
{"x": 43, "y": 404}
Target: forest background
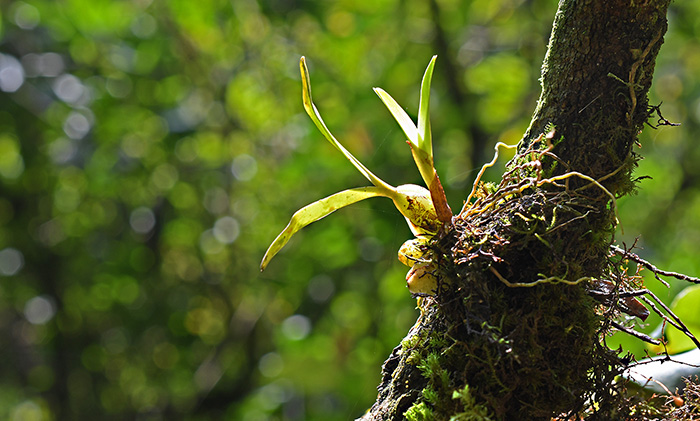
{"x": 151, "y": 150}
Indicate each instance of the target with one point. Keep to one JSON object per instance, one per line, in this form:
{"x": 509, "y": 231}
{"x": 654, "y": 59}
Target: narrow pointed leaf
{"x": 312, "y": 111}
{"x": 423, "y": 155}
{"x": 401, "y": 117}
{"x": 425, "y": 141}
{"x": 316, "y": 211}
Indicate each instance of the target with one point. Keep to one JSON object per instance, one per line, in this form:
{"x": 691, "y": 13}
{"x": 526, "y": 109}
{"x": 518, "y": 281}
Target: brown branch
{"x": 656, "y": 271}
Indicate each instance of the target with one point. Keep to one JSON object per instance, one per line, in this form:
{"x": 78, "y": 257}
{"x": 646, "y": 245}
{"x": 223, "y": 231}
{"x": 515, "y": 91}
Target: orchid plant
{"x": 426, "y": 210}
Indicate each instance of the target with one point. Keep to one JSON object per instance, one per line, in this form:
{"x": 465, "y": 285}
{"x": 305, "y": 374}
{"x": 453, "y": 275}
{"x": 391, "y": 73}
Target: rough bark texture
{"x": 483, "y": 347}
{"x": 595, "y": 78}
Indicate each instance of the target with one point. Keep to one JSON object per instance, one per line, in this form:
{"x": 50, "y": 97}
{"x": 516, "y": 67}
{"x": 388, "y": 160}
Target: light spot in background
{"x": 697, "y": 110}
{"x": 226, "y": 229}
{"x": 11, "y": 261}
{"x": 165, "y": 355}
{"x": 66, "y": 198}
{"x": 341, "y": 23}
{"x": 371, "y": 249}
{"x": 209, "y": 244}
{"x": 143, "y": 26}
{"x": 189, "y": 113}
{"x": 321, "y": 288}
{"x": 122, "y": 57}
{"x": 11, "y": 161}
{"x": 668, "y": 86}
{"x": 68, "y": 88}
{"x": 164, "y": 176}
{"x": 52, "y": 64}
{"x": 114, "y": 340}
{"x": 296, "y": 327}
{"x": 245, "y": 207}
{"x": 216, "y": 200}
{"x": 76, "y": 125}
{"x": 47, "y": 64}
{"x": 39, "y": 310}
{"x": 207, "y": 323}
{"x": 134, "y": 146}
{"x": 271, "y": 364}
{"x": 244, "y": 167}
{"x": 62, "y": 150}
{"x": 11, "y": 73}
{"x": 50, "y": 233}
{"x": 26, "y": 16}
{"x": 142, "y": 220}
{"x": 32, "y": 64}
{"x": 41, "y": 377}
{"x": 274, "y": 394}
{"x": 28, "y": 411}
{"x": 119, "y": 87}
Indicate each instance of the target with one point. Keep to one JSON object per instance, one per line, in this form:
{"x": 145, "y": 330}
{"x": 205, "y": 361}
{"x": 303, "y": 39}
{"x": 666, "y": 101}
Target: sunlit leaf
{"x": 312, "y": 111}
{"x": 314, "y": 212}
{"x": 414, "y": 202}
{"x": 423, "y": 154}
{"x": 401, "y": 117}
{"x": 420, "y": 139}
{"x": 425, "y": 141}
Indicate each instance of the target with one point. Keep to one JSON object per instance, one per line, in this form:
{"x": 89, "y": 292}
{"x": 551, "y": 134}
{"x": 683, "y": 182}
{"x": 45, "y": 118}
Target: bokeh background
{"x": 151, "y": 150}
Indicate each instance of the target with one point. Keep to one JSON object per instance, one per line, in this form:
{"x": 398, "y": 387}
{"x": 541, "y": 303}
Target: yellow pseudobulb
{"x": 414, "y": 203}
{"x": 414, "y": 250}
{"x": 421, "y": 279}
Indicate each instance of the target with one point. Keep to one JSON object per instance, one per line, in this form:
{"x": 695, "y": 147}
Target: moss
{"x": 419, "y": 412}
{"x": 516, "y": 335}
{"x": 516, "y": 332}
{"x": 473, "y": 411}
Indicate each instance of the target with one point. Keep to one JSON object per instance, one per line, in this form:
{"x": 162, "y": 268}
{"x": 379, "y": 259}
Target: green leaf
{"x": 312, "y": 111}
{"x": 401, "y": 117}
{"x": 423, "y": 155}
{"x": 425, "y": 142}
{"x": 316, "y": 211}
{"x": 414, "y": 202}
{"x": 685, "y": 306}
{"x": 420, "y": 137}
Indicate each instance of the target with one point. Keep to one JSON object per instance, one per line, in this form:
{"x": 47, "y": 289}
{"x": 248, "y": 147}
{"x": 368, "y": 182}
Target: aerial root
{"x": 526, "y": 173}
{"x": 547, "y": 280}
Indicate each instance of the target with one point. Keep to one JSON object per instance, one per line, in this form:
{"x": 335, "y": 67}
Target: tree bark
{"x": 513, "y": 332}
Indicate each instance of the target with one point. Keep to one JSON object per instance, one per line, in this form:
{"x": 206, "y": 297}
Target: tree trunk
{"x": 513, "y": 332}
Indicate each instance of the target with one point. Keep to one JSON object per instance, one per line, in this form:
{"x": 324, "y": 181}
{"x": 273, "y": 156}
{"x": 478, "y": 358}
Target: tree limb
{"x": 529, "y": 353}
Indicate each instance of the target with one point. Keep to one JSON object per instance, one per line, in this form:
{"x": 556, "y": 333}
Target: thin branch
{"x": 629, "y": 255}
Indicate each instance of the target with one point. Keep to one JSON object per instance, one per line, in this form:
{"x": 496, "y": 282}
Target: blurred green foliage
{"x": 151, "y": 150}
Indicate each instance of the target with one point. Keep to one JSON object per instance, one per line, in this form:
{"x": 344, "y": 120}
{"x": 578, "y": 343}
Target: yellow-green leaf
{"x": 401, "y": 117}
{"x": 316, "y": 211}
{"x": 414, "y": 202}
{"x": 312, "y": 111}
{"x": 425, "y": 141}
